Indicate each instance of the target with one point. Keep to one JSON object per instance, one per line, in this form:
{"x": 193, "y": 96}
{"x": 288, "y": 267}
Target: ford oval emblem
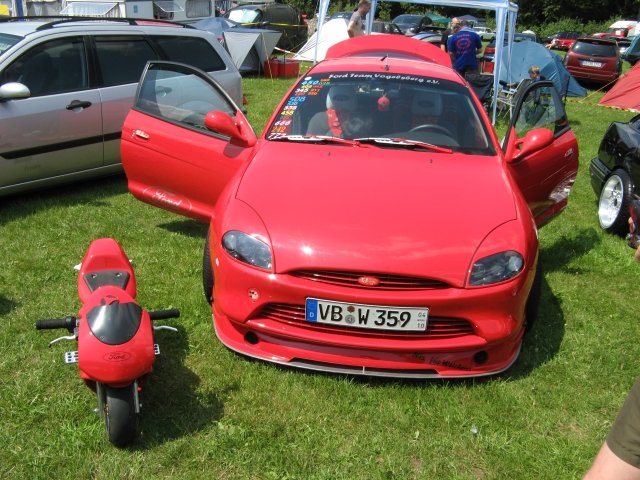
{"x": 369, "y": 281}
{"x": 116, "y": 356}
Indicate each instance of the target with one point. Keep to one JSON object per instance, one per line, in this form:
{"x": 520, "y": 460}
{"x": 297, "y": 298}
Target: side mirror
{"x": 535, "y": 140}
{"x": 236, "y": 128}
{"x": 14, "y": 91}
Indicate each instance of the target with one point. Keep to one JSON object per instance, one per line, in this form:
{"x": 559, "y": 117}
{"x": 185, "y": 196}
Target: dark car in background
{"x": 632, "y": 53}
{"x": 378, "y": 26}
{"x": 594, "y": 60}
{"x": 411, "y": 24}
{"x": 615, "y": 174}
{"x": 274, "y": 16}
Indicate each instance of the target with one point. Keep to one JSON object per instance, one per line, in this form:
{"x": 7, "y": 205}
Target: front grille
{"x": 386, "y": 282}
{"x": 437, "y": 327}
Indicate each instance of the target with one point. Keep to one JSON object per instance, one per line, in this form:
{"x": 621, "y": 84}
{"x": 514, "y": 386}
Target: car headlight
{"x": 496, "y": 268}
{"x": 247, "y": 249}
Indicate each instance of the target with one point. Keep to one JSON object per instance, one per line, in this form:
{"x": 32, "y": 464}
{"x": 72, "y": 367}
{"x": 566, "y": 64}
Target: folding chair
{"x": 482, "y": 85}
{"x": 509, "y": 94}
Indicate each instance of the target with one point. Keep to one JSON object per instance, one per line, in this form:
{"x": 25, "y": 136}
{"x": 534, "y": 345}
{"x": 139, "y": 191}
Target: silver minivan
{"x": 66, "y": 86}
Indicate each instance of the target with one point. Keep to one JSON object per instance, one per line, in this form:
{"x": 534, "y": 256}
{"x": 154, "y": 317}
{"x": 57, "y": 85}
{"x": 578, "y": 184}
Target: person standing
{"x": 463, "y": 47}
{"x": 449, "y": 31}
{"x": 355, "y": 27}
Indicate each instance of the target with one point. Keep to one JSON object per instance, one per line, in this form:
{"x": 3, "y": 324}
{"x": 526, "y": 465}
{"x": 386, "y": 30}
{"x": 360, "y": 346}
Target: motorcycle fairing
{"x": 114, "y": 323}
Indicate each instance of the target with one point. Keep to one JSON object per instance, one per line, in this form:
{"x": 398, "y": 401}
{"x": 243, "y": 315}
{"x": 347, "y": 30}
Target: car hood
{"x": 369, "y": 209}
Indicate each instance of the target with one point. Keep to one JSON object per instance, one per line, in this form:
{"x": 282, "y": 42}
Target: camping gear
{"x": 624, "y": 93}
{"x": 250, "y": 47}
{"x": 526, "y": 54}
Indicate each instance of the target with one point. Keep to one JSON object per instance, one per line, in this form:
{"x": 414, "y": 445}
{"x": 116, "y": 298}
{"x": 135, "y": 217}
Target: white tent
{"x": 315, "y": 49}
{"x": 506, "y": 12}
{"x": 250, "y": 47}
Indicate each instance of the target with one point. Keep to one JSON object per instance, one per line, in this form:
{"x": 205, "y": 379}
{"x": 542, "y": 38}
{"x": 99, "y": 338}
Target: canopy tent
{"x": 624, "y": 94}
{"x": 332, "y": 32}
{"x": 435, "y": 18}
{"x": 250, "y": 47}
{"x": 469, "y": 18}
{"x": 525, "y": 54}
{"x": 506, "y": 12}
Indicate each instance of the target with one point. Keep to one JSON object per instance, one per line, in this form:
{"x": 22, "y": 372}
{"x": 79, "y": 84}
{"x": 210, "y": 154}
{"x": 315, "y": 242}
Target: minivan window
{"x": 7, "y": 41}
{"x": 52, "y": 67}
{"x": 594, "y": 49}
{"x": 122, "y": 59}
{"x": 193, "y": 51}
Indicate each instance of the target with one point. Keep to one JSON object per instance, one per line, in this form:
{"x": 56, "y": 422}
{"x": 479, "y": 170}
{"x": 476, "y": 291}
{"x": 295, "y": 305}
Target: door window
{"x": 541, "y": 107}
{"x": 50, "y": 68}
{"x": 122, "y": 59}
{"x": 180, "y": 97}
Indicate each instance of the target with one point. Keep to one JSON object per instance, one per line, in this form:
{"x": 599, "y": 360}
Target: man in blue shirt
{"x": 463, "y": 46}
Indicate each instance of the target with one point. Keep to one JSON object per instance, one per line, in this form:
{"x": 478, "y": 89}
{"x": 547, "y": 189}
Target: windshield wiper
{"x": 314, "y": 139}
{"x": 402, "y": 142}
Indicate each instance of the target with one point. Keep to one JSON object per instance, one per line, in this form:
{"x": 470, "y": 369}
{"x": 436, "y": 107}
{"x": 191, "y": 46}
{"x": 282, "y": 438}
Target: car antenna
{"x": 385, "y": 59}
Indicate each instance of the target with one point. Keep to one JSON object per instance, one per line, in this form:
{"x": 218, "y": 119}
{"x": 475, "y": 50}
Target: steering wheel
{"x": 435, "y": 128}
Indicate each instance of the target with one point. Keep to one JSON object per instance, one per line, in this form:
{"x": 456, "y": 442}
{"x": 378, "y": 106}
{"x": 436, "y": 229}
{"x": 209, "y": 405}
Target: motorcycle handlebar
{"x": 163, "y": 314}
{"x": 50, "y": 324}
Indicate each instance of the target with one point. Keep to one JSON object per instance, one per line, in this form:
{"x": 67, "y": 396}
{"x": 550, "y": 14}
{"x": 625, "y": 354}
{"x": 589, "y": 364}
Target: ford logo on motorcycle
{"x": 369, "y": 281}
{"x": 117, "y": 356}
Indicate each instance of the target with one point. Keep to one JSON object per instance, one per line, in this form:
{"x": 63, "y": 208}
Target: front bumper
{"x": 476, "y": 332}
{"x": 598, "y": 172}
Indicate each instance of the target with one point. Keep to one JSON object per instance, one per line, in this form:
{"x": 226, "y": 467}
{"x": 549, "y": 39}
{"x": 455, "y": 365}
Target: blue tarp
{"x": 526, "y": 54}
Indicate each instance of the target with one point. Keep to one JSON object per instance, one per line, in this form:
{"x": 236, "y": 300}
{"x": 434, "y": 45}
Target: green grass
{"x": 209, "y": 413}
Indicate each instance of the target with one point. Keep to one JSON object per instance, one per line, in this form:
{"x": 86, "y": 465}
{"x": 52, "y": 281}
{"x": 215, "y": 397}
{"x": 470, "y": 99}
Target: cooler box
{"x": 270, "y": 68}
{"x": 288, "y": 68}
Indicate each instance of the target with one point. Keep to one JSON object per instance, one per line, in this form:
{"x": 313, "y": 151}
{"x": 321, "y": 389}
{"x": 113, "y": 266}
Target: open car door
{"x": 541, "y": 150}
{"x": 183, "y": 140}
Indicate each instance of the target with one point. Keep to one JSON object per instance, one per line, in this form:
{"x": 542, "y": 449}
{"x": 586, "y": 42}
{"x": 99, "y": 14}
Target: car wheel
{"x": 613, "y": 205}
{"x": 207, "y": 272}
{"x": 533, "y": 302}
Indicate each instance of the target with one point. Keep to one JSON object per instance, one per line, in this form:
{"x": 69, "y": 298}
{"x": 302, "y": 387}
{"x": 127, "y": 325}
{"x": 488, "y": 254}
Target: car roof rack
{"x": 62, "y": 19}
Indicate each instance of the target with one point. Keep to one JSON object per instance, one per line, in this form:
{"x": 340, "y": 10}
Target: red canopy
{"x": 625, "y": 93}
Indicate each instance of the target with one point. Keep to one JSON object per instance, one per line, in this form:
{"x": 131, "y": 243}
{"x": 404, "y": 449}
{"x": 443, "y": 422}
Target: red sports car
{"x": 377, "y": 226}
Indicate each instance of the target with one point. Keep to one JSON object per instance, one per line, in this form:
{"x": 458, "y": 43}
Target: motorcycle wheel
{"x": 120, "y": 415}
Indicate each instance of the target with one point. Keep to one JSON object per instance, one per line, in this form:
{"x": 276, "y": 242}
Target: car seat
{"x": 340, "y": 104}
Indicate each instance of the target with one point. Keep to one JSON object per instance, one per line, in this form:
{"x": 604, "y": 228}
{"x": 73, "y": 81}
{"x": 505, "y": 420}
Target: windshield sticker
{"x": 311, "y": 86}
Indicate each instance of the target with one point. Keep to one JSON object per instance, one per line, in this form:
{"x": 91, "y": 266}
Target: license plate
{"x": 587, "y": 63}
{"x": 405, "y": 319}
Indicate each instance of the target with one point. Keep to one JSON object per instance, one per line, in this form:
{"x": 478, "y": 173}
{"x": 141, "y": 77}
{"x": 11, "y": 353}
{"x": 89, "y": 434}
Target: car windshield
{"x": 406, "y": 19}
{"x": 594, "y": 49}
{"x": 244, "y": 15}
{"x": 7, "y": 41}
{"x": 384, "y": 110}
